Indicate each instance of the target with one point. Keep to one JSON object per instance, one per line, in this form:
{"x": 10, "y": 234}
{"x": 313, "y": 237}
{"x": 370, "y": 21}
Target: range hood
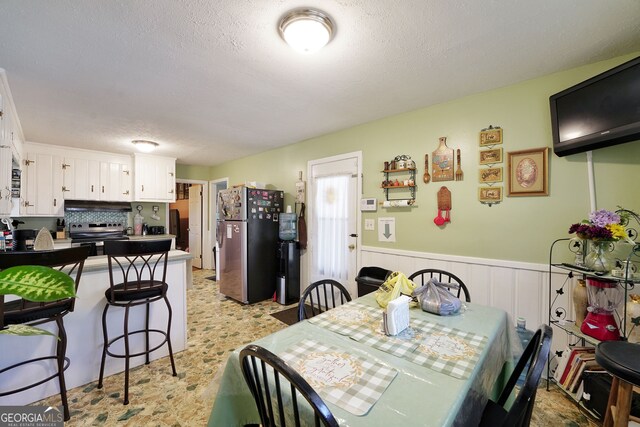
{"x": 95, "y": 206}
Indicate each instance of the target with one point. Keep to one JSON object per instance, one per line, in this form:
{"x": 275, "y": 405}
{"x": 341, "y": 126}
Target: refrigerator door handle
{"x": 220, "y": 233}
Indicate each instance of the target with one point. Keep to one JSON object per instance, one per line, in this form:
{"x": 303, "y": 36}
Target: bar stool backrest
{"x": 136, "y": 265}
{"x": 69, "y": 261}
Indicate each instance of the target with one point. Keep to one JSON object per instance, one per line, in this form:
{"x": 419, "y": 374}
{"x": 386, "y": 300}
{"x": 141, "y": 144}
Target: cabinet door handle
{"x": 27, "y": 204}
{"x": 65, "y": 166}
{"x": 103, "y": 188}
{"x": 65, "y": 188}
{"x": 27, "y": 162}
{"x": 126, "y": 193}
{"x": 170, "y": 191}
{"x": 142, "y": 187}
{"x": 92, "y": 188}
{"x": 55, "y": 202}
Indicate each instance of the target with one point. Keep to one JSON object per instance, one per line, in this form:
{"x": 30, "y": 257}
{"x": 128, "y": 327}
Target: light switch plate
{"x": 369, "y": 224}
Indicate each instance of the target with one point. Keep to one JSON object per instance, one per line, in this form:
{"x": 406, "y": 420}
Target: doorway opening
{"x": 188, "y": 221}
{"x": 215, "y": 187}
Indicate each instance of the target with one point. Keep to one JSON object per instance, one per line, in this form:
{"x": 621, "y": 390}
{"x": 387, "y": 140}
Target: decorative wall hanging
{"x": 442, "y": 162}
{"x": 444, "y": 206}
{"x": 490, "y": 157}
{"x": 490, "y": 175}
{"x": 528, "y": 172}
{"x": 490, "y": 195}
{"x": 490, "y": 136}
{"x": 426, "y": 177}
{"x": 459, "y": 174}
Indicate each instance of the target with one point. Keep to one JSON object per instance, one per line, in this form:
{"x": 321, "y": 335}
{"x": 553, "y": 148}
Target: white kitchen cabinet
{"x": 90, "y": 179}
{"x": 10, "y": 144}
{"x": 5, "y": 180}
{"x": 155, "y": 178}
{"x": 42, "y": 184}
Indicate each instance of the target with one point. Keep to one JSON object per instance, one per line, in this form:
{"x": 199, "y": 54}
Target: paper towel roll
{"x": 397, "y": 203}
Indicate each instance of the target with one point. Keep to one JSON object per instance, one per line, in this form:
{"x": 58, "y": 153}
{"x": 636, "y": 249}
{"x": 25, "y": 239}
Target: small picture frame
{"x": 489, "y": 157}
{"x": 488, "y": 175}
{"x": 490, "y": 194}
{"x": 528, "y": 172}
{"x": 490, "y": 137}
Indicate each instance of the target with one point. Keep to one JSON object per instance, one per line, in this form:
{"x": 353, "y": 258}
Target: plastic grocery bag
{"x": 434, "y": 297}
{"x": 395, "y": 285}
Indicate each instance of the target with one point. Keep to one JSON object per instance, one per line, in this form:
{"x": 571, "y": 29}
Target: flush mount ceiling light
{"x": 144, "y": 145}
{"x": 306, "y": 30}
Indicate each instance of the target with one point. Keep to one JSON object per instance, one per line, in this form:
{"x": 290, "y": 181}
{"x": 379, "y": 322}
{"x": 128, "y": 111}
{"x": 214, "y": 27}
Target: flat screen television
{"x": 599, "y": 112}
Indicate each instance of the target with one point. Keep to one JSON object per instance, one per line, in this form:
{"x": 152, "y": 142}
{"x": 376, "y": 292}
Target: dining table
{"x": 438, "y": 372}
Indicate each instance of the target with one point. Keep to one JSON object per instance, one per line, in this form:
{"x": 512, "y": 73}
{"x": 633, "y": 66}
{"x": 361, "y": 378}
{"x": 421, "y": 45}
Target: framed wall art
{"x": 488, "y": 157}
{"x": 490, "y": 136}
{"x": 490, "y": 175}
{"x": 528, "y": 172}
{"x": 490, "y": 194}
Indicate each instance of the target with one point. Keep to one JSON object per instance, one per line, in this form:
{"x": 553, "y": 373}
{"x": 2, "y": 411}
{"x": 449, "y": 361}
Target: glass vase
{"x": 599, "y": 256}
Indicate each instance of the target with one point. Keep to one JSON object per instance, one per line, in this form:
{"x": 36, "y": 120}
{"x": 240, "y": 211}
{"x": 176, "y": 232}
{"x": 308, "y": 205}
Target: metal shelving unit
{"x": 558, "y": 314}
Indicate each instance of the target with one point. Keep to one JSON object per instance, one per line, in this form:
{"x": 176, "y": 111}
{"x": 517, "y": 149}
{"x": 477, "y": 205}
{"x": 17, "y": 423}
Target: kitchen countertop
{"x": 97, "y": 263}
{"x": 153, "y": 237}
{"x": 147, "y": 237}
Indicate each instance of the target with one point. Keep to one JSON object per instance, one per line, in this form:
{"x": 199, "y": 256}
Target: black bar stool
{"x": 137, "y": 276}
{"x": 21, "y": 311}
{"x": 622, "y": 360}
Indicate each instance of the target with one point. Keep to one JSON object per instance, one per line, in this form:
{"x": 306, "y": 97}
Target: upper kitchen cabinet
{"x": 90, "y": 175}
{"x": 42, "y": 184}
{"x": 11, "y": 140}
{"x": 155, "y": 178}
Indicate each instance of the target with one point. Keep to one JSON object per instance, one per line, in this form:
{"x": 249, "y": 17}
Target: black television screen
{"x": 599, "y": 112}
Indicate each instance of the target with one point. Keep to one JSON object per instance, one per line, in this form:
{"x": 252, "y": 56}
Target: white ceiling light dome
{"x": 306, "y": 30}
{"x": 144, "y": 146}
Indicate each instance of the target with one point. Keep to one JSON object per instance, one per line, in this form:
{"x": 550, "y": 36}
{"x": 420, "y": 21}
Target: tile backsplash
{"x": 96, "y": 217}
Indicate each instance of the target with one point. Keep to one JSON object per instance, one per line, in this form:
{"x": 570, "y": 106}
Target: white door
{"x": 334, "y": 221}
{"x": 195, "y": 224}
{"x": 216, "y": 187}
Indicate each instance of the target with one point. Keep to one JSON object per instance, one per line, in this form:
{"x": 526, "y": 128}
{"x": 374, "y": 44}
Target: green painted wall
{"x": 192, "y": 172}
{"x": 519, "y": 229}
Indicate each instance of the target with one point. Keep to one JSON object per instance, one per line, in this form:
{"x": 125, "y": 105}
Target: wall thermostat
{"x": 368, "y": 205}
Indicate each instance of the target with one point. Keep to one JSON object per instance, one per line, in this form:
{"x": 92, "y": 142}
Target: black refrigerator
{"x": 247, "y": 237}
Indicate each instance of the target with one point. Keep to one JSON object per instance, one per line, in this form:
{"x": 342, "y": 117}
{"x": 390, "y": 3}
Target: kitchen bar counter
{"x": 84, "y": 331}
{"x": 152, "y": 237}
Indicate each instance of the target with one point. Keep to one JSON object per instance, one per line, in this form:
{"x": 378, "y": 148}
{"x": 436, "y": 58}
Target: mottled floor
{"x": 216, "y": 326}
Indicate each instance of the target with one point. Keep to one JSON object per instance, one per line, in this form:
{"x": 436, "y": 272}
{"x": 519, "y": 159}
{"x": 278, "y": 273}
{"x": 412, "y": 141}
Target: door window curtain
{"x": 331, "y": 219}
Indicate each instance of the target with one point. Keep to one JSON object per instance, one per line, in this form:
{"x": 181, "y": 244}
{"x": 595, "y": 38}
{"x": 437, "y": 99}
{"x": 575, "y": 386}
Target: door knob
{"x": 352, "y": 247}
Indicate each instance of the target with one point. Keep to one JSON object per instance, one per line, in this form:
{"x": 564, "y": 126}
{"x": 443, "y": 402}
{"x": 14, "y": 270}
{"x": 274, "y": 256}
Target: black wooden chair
{"x": 321, "y": 296}
{"x": 421, "y": 277}
{"x": 622, "y": 360}
{"x": 137, "y": 276}
{"x": 275, "y": 387}
{"x": 21, "y": 311}
{"x": 534, "y": 358}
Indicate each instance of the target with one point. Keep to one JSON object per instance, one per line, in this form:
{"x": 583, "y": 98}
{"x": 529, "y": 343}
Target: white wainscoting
{"x": 519, "y": 288}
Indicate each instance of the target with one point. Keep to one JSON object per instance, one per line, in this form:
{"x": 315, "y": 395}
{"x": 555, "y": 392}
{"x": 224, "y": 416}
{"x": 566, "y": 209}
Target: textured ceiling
{"x": 211, "y": 80}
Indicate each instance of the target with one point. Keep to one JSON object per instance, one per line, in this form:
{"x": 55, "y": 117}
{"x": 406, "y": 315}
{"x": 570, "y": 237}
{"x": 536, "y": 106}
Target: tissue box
{"x": 396, "y": 316}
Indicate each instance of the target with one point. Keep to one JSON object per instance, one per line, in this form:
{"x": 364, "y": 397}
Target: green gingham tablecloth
{"x": 443, "y": 349}
{"x": 351, "y": 382}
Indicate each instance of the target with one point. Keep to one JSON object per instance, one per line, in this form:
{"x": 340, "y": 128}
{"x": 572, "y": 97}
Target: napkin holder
{"x": 395, "y": 318}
